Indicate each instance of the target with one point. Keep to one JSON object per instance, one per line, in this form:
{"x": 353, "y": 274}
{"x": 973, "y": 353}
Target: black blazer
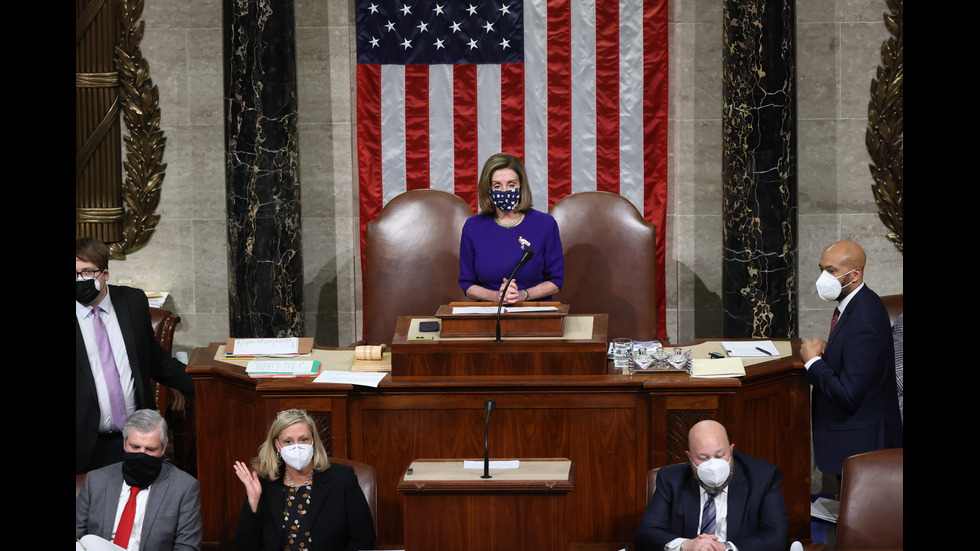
{"x": 757, "y": 518}
{"x": 855, "y": 397}
{"x": 146, "y": 357}
{"x": 340, "y": 516}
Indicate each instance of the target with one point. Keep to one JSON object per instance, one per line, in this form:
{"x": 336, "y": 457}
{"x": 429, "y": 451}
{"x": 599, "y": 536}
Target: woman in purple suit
{"x": 494, "y": 240}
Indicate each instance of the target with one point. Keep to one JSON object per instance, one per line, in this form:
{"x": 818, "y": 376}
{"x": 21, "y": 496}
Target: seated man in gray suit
{"x": 142, "y": 503}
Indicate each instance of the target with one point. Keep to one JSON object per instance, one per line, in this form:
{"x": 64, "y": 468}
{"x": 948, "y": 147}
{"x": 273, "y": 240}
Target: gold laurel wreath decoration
{"x": 145, "y": 143}
{"x": 885, "y": 133}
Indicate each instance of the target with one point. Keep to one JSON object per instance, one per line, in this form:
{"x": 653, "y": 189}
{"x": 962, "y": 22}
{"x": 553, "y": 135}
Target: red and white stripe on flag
{"x": 585, "y": 110}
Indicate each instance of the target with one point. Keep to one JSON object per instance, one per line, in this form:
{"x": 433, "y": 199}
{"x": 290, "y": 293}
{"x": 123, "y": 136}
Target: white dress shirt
{"x": 85, "y": 316}
{"x": 721, "y": 518}
{"x": 141, "y": 499}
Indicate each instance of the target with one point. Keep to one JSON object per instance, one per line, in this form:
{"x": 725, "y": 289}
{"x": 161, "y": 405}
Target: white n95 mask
{"x": 829, "y": 287}
{"x": 297, "y": 456}
{"x": 714, "y": 474}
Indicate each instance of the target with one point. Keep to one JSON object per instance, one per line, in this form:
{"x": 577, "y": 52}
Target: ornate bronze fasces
{"x": 119, "y": 211}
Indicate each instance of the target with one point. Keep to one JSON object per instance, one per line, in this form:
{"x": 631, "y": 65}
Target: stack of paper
{"x": 270, "y": 348}
{"x": 282, "y": 368}
{"x": 722, "y": 367}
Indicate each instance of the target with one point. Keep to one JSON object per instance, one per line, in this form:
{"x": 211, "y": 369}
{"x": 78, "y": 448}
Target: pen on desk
{"x": 763, "y": 350}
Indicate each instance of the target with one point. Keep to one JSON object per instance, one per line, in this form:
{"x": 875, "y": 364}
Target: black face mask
{"x": 140, "y": 469}
{"x": 85, "y": 291}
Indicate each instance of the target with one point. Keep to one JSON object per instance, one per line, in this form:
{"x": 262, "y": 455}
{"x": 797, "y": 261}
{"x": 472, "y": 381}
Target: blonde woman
{"x": 295, "y": 499}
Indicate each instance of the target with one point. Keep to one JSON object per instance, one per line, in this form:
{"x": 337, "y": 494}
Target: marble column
{"x": 759, "y": 266}
{"x": 265, "y": 257}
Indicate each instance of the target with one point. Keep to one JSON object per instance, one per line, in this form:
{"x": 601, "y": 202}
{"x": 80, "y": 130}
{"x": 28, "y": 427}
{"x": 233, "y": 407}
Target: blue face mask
{"x": 506, "y": 200}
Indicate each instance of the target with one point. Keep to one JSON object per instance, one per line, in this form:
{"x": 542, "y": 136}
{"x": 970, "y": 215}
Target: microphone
{"x": 528, "y": 255}
{"x": 489, "y": 405}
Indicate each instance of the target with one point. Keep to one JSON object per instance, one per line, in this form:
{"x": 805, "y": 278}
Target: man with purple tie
{"x": 116, "y": 354}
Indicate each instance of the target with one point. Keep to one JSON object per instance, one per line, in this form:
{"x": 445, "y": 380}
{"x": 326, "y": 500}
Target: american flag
{"x": 575, "y": 88}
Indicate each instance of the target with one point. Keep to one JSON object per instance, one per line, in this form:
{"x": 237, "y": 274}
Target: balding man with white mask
{"x": 720, "y": 500}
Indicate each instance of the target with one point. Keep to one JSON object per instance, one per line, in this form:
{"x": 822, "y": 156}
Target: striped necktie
{"x": 708, "y": 516}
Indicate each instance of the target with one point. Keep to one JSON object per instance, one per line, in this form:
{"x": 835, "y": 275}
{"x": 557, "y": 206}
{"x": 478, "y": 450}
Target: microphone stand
{"x": 489, "y": 405}
{"x": 528, "y": 254}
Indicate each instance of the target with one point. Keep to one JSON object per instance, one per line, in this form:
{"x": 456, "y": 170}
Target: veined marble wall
{"x": 837, "y": 49}
{"x": 837, "y": 52}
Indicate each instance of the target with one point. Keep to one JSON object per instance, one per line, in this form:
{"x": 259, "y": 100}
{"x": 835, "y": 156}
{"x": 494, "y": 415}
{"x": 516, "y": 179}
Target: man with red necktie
{"x": 143, "y": 503}
{"x": 855, "y": 400}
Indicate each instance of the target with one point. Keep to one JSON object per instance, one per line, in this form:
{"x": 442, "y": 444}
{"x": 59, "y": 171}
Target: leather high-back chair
{"x": 610, "y": 262}
{"x": 79, "y": 482}
{"x": 871, "y": 501}
{"x": 893, "y": 303}
{"x": 182, "y": 449}
{"x": 652, "y": 482}
{"x": 164, "y": 324}
{"x": 411, "y": 262}
{"x": 367, "y": 479}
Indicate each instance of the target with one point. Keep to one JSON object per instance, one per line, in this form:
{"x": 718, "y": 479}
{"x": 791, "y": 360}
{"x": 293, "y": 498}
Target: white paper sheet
{"x": 750, "y": 349}
{"x": 509, "y": 309}
{"x": 493, "y": 464}
{"x": 363, "y": 378}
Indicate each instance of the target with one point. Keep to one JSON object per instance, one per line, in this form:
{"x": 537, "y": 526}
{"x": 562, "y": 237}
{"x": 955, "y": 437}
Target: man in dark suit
{"x": 142, "y": 503}
{"x": 854, "y": 400}
{"x": 116, "y": 354}
{"x": 721, "y": 500}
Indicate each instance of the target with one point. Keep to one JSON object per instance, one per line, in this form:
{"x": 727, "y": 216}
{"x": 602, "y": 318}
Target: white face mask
{"x": 297, "y": 456}
{"x": 829, "y": 287}
{"x": 714, "y": 474}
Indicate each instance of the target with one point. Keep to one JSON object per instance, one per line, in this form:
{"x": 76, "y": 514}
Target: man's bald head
{"x": 706, "y": 440}
{"x": 846, "y": 253}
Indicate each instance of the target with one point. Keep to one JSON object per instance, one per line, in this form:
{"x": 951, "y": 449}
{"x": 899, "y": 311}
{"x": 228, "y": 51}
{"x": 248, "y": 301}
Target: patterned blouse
{"x": 294, "y": 524}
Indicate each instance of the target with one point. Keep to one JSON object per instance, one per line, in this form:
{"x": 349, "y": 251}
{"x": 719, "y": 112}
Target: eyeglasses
{"x": 88, "y": 273}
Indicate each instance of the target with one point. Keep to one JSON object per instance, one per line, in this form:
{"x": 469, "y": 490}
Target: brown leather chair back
{"x": 367, "y": 478}
{"x": 412, "y": 259}
{"x": 652, "y": 482}
{"x": 79, "y": 482}
{"x": 182, "y": 450}
{"x": 893, "y": 303}
{"x": 610, "y": 262}
{"x": 164, "y": 324}
{"x": 871, "y": 501}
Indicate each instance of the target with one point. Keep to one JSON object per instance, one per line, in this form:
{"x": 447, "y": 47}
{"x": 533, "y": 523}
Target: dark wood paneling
{"x": 614, "y": 427}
